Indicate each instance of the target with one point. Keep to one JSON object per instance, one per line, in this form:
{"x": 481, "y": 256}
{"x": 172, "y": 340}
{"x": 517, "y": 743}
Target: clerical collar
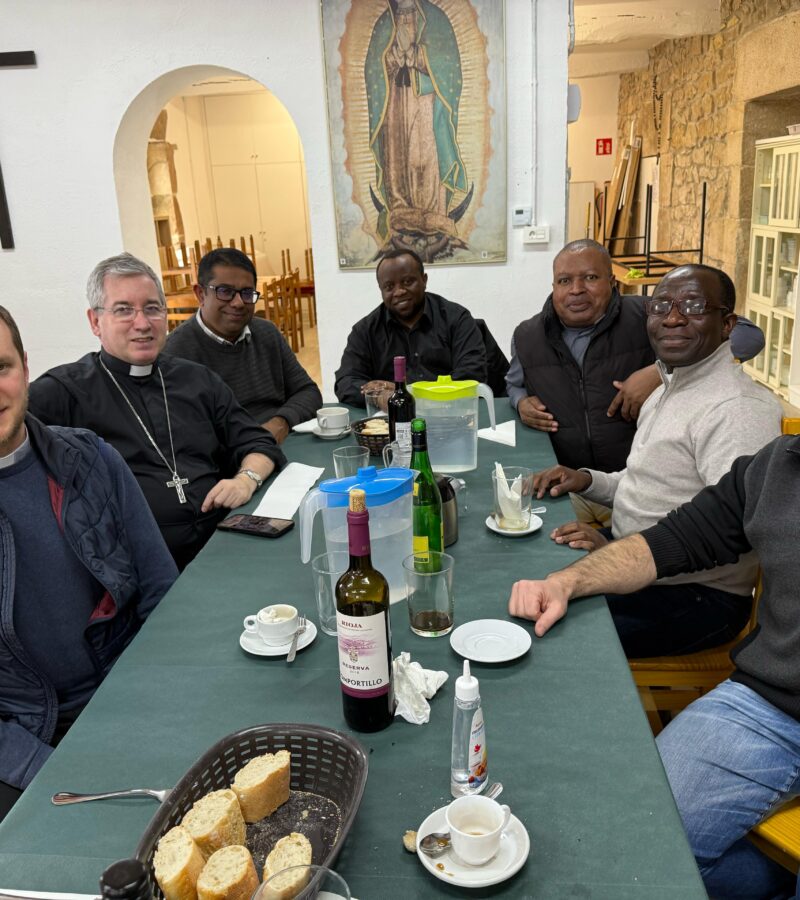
{"x": 16, "y": 455}
{"x": 244, "y": 336}
{"x": 120, "y": 367}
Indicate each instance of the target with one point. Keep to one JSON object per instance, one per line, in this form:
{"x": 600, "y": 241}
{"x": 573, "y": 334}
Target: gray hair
{"x": 124, "y": 265}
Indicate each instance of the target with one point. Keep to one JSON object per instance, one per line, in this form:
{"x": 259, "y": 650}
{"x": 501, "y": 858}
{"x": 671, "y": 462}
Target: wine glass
{"x": 311, "y": 882}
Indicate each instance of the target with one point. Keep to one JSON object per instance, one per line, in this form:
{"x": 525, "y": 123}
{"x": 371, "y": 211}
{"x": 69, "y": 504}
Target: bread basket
{"x": 324, "y": 762}
{"x": 373, "y": 442}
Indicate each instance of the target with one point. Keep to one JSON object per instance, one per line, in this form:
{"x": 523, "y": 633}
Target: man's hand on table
{"x": 544, "y": 602}
{"x": 560, "y": 480}
{"x": 534, "y": 414}
{"x": 632, "y": 392}
{"x": 278, "y": 428}
{"x": 579, "y": 536}
{"x": 385, "y": 387}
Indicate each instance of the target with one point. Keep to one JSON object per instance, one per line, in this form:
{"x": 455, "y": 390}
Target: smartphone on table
{"x": 260, "y": 525}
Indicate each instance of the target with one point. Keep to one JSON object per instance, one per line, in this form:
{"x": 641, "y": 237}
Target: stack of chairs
{"x": 281, "y": 305}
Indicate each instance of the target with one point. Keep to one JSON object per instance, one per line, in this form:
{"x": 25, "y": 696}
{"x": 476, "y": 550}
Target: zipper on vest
{"x": 585, "y": 409}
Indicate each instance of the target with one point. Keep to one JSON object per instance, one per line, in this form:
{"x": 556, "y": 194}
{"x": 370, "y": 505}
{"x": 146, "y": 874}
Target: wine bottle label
{"x": 420, "y": 544}
{"x": 402, "y": 434}
{"x": 363, "y": 655}
{"x": 478, "y": 757}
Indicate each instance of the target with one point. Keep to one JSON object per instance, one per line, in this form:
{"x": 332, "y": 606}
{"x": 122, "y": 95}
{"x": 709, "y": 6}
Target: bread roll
{"x": 263, "y": 785}
{"x": 229, "y": 874}
{"x": 215, "y": 821}
{"x": 178, "y": 863}
{"x": 292, "y": 850}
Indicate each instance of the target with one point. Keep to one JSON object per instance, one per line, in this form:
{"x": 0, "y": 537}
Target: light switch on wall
{"x": 536, "y": 234}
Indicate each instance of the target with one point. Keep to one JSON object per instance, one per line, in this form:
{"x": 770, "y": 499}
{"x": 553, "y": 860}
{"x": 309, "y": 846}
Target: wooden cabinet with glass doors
{"x": 772, "y": 275}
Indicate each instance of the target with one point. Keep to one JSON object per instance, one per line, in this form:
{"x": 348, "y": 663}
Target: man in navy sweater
{"x": 82, "y": 564}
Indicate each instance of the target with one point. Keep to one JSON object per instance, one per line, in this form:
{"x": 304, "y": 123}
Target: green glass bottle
{"x": 428, "y": 528}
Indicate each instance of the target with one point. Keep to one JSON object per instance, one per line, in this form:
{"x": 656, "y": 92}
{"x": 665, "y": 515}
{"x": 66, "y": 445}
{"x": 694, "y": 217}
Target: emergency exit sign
{"x": 602, "y": 147}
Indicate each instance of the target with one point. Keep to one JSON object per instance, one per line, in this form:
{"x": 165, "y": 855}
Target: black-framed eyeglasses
{"x": 226, "y": 293}
{"x": 689, "y": 306}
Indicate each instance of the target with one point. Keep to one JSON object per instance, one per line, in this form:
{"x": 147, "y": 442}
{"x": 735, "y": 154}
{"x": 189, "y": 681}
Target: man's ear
{"x": 728, "y": 324}
{"x": 198, "y": 292}
{"x": 94, "y": 321}
{"x": 25, "y": 367}
{"x": 613, "y": 282}
{"x": 425, "y": 279}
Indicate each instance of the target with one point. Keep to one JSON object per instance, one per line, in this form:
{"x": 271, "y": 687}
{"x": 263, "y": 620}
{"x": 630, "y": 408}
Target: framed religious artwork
{"x": 416, "y": 95}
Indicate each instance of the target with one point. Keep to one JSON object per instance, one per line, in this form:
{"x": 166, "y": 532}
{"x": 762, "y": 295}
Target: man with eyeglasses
{"x": 583, "y": 366}
{"x": 706, "y": 413}
{"x": 248, "y": 353}
{"x": 193, "y": 449}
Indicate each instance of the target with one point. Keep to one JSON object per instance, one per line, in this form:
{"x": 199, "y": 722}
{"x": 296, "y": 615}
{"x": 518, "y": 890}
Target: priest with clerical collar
{"x": 193, "y": 449}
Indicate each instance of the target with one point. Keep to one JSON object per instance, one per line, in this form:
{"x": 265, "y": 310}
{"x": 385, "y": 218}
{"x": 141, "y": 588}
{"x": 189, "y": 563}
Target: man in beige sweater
{"x": 707, "y": 413}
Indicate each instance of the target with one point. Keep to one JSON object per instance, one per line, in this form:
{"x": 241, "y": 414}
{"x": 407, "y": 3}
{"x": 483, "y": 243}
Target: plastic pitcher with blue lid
{"x": 389, "y": 501}
{"x": 450, "y": 410}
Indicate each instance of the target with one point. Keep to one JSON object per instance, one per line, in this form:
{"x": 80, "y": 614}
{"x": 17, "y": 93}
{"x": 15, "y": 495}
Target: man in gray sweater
{"x": 249, "y": 354}
{"x": 706, "y": 413}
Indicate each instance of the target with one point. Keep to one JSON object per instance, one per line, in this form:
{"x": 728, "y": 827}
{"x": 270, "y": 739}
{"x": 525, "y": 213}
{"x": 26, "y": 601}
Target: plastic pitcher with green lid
{"x": 450, "y": 409}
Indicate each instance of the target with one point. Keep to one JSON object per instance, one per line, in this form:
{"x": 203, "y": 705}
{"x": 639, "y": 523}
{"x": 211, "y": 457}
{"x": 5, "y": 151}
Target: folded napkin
{"x": 413, "y": 687}
{"x": 285, "y": 493}
{"x": 509, "y": 497}
{"x": 505, "y": 433}
{"x": 305, "y": 427}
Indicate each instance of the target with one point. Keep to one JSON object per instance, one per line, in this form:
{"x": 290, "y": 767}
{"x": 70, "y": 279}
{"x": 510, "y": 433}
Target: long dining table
{"x": 565, "y": 730}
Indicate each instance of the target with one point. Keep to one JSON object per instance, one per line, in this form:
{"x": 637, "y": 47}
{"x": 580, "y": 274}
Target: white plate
{"x": 252, "y": 643}
{"x": 536, "y": 524}
{"x": 490, "y": 640}
{"x": 515, "y": 845}
{"x": 331, "y": 435}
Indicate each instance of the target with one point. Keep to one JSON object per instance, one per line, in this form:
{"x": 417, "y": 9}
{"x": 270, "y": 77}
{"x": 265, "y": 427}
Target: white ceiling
{"x": 613, "y": 36}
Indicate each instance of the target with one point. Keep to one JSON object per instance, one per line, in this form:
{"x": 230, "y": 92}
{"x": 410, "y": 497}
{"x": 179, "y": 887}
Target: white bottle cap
{"x": 467, "y": 685}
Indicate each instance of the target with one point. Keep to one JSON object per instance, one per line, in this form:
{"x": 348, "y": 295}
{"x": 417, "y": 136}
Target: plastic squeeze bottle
{"x": 469, "y": 761}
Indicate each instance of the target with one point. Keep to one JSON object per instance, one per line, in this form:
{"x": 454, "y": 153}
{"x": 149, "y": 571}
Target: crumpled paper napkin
{"x": 413, "y": 687}
{"x": 509, "y": 497}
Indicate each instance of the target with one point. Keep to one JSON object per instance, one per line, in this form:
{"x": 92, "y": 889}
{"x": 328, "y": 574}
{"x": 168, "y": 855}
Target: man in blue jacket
{"x": 82, "y": 564}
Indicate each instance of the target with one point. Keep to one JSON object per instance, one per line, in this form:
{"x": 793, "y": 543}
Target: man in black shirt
{"x": 193, "y": 449}
{"x": 436, "y": 336}
{"x": 733, "y": 756}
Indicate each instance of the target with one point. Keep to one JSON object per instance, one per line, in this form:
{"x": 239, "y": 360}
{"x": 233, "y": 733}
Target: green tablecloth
{"x": 566, "y": 734}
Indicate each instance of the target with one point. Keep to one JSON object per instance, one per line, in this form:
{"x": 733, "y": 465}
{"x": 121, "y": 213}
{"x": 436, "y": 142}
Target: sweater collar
{"x": 682, "y": 375}
{"x": 244, "y": 336}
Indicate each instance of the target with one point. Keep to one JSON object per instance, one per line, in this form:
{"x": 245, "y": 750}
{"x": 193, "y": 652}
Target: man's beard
{"x": 11, "y": 438}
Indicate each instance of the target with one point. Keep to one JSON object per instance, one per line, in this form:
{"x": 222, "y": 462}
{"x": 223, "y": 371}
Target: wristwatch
{"x": 251, "y": 474}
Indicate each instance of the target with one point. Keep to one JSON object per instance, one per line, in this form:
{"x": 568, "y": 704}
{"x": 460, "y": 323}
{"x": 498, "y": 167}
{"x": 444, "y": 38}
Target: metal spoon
{"x": 438, "y": 842}
{"x": 64, "y": 797}
{"x": 303, "y": 624}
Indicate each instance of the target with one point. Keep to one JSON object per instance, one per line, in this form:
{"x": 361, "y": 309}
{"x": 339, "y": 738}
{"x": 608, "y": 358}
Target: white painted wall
{"x": 64, "y": 132}
{"x": 598, "y": 118}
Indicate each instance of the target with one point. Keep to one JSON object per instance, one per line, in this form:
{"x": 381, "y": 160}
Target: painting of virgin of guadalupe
{"x": 416, "y": 107}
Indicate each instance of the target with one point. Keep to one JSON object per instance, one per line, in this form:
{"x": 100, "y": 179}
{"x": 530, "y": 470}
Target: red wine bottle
{"x": 401, "y": 407}
{"x": 363, "y": 630}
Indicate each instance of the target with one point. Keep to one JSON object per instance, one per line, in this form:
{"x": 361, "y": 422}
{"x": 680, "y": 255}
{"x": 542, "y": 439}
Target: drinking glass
{"x": 373, "y": 402}
{"x": 512, "y": 498}
{"x": 348, "y": 460}
{"x": 429, "y": 578}
{"x": 319, "y": 882}
{"x": 327, "y": 569}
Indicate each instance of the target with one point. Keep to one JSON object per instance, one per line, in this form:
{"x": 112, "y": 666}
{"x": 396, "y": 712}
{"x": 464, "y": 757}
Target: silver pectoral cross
{"x": 178, "y": 483}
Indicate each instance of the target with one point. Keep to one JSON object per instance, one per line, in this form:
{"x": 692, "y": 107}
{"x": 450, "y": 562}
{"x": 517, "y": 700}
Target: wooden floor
{"x": 309, "y": 355}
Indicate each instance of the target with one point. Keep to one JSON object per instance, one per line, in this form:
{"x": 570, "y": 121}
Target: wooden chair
{"x": 281, "y": 306}
{"x": 307, "y": 288}
{"x": 293, "y": 310}
{"x": 180, "y": 307}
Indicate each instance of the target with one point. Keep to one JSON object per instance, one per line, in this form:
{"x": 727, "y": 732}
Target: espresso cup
{"x": 476, "y": 825}
{"x": 274, "y": 624}
{"x": 333, "y": 418}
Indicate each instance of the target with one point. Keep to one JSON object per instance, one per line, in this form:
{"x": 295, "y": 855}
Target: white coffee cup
{"x": 274, "y": 624}
{"x": 333, "y": 418}
{"x": 476, "y": 825}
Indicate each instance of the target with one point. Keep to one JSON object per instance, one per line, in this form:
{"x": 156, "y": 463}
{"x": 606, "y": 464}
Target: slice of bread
{"x": 292, "y": 850}
{"x": 215, "y": 821}
{"x": 263, "y": 785}
{"x": 178, "y": 863}
{"x": 229, "y": 874}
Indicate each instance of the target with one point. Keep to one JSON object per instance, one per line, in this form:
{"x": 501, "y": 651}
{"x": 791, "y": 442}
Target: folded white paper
{"x": 413, "y": 687}
{"x": 506, "y": 433}
{"x": 285, "y": 493}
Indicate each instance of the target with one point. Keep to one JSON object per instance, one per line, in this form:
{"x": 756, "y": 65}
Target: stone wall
{"x": 711, "y": 117}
